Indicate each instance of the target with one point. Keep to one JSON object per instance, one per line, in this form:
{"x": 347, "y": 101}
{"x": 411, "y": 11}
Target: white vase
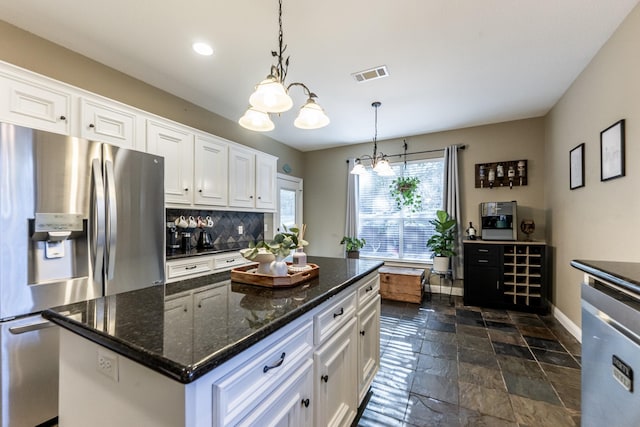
{"x": 264, "y": 260}
{"x": 279, "y": 267}
{"x": 441, "y": 263}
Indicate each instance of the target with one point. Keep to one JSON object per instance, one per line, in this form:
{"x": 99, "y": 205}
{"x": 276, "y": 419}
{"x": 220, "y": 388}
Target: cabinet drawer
{"x": 482, "y": 255}
{"x": 332, "y": 318}
{"x": 235, "y": 394}
{"x": 196, "y": 266}
{"x": 369, "y": 289}
{"x": 229, "y": 260}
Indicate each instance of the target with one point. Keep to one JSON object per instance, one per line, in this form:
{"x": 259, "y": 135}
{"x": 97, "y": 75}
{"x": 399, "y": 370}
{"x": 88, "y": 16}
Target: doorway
{"x": 289, "y": 202}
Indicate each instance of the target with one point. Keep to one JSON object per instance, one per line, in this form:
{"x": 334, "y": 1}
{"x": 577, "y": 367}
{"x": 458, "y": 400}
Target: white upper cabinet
{"x": 108, "y": 123}
{"x": 175, "y": 144}
{"x": 266, "y": 182}
{"x": 252, "y": 179}
{"x": 34, "y": 105}
{"x": 210, "y": 163}
{"x": 242, "y": 177}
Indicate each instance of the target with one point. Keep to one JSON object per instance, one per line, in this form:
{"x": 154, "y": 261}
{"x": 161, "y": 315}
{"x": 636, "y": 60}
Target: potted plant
{"x": 353, "y": 246}
{"x": 270, "y": 255}
{"x": 442, "y": 242}
{"x": 405, "y": 191}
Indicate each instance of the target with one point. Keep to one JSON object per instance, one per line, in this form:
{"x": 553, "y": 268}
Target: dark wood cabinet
{"x": 509, "y": 275}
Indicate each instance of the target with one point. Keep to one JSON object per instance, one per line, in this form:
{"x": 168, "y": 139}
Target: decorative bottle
{"x": 299, "y": 258}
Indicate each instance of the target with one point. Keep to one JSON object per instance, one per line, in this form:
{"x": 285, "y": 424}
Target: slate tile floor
{"x": 444, "y": 365}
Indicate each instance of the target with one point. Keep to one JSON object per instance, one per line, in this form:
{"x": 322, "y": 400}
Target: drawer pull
{"x": 340, "y": 313}
{"x": 191, "y": 267}
{"x": 325, "y": 378}
{"x": 275, "y": 365}
{"x": 230, "y": 260}
{"x": 305, "y": 403}
{"x": 483, "y": 250}
{"x": 483, "y": 261}
{"x": 369, "y": 288}
{"x": 362, "y": 332}
{"x": 497, "y": 284}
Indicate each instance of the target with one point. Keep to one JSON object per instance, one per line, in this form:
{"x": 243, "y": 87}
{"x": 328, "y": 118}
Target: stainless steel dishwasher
{"x": 610, "y": 355}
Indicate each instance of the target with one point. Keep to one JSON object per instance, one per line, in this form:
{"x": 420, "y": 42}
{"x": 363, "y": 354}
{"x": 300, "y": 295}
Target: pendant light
{"x": 272, "y": 96}
{"x": 379, "y": 161}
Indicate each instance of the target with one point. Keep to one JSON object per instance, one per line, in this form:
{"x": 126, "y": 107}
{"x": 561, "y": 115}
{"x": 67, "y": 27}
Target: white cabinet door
{"x": 368, "y": 345}
{"x": 211, "y": 171}
{"x": 175, "y": 144}
{"x": 266, "y": 182}
{"x": 290, "y": 405}
{"x": 33, "y": 105}
{"x": 335, "y": 377}
{"x": 178, "y": 323}
{"x": 242, "y": 178}
{"x": 105, "y": 123}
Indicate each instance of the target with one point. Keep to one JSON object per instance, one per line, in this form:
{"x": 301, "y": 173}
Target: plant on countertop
{"x": 405, "y": 191}
{"x": 353, "y": 244}
{"x": 442, "y": 242}
{"x": 280, "y": 246}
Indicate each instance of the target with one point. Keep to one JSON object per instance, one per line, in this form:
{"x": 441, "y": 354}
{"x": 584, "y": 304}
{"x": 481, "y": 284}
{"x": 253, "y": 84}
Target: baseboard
{"x": 567, "y": 323}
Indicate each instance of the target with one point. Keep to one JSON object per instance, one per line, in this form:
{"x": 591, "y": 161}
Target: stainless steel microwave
{"x": 499, "y": 220}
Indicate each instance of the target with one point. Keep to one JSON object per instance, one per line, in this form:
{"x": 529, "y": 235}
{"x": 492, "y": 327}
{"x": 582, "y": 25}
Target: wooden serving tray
{"x": 246, "y": 274}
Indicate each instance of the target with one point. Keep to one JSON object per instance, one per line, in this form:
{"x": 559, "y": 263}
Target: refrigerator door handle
{"x": 98, "y": 230}
{"x": 112, "y": 219}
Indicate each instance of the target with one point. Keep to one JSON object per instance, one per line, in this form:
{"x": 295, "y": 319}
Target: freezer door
{"x": 29, "y": 372}
{"x": 135, "y": 225}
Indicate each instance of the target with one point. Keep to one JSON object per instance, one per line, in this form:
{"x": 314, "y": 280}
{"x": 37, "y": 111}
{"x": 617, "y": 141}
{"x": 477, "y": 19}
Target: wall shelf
{"x": 500, "y": 172}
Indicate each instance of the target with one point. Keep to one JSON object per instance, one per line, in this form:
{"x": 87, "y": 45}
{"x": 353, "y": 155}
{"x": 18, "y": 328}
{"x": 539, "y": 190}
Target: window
{"x": 393, "y": 233}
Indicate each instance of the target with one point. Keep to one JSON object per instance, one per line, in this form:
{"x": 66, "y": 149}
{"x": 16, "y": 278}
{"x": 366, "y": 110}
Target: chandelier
{"x": 272, "y": 96}
{"x": 379, "y": 161}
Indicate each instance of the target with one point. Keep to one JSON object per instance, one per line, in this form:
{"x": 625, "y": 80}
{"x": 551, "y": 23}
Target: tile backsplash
{"x": 226, "y": 225}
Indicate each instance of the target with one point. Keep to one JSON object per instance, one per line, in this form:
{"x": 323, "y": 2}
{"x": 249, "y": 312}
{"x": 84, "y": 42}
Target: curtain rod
{"x": 459, "y": 147}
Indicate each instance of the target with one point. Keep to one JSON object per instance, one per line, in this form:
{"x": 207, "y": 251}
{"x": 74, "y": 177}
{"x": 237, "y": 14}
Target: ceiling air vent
{"x": 371, "y": 74}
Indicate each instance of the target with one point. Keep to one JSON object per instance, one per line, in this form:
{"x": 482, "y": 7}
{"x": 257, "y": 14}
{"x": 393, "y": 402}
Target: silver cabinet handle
{"x": 483, "y": 260}
{"x": 483, "y": 250}
{"x": 30, "y": 327}
{"x": 497, "y": 284}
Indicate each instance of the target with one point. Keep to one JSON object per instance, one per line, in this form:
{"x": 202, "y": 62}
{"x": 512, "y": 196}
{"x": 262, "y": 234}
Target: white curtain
{"x": 351, "y": 220}
{"x": 451, "y": 204}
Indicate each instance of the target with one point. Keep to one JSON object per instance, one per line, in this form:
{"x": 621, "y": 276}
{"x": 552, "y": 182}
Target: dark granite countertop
{"x": 623, "y": 274}
{"x": 133, "y": 323}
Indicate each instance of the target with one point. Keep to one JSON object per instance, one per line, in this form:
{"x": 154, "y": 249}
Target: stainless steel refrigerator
{"x": 78, "y": 219}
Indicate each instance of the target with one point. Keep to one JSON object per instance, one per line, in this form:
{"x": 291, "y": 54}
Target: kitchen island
{"x": 213, "y": 352}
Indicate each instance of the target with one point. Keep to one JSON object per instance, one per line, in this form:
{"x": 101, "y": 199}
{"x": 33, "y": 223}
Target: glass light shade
{"x": 311, "y": 116}
{"x": 383, "y": 168}
{"x": 271, "y": 96}
{"x": 256, "y": 120}
{"x": 359, "y": 169}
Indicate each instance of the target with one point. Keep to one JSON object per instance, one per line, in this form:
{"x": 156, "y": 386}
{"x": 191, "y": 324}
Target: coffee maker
{"x": 173, "y": 237}
{"x": 499, "y": 220}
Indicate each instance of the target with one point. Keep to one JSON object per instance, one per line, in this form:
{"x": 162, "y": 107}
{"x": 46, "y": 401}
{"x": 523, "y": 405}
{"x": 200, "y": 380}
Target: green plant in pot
{"x": 353, "y": 246}
{"x": 405, "y": 191}
{"x": 442, "y": 242}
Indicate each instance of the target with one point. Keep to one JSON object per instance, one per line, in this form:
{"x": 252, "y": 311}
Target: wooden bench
{"x": 401, "y": 284}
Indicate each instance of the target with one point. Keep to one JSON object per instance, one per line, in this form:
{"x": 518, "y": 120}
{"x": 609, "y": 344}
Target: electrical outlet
{"x": 266, "y": 227}
{"x": 107, "y": 364}
{"x": 240, "y": 229}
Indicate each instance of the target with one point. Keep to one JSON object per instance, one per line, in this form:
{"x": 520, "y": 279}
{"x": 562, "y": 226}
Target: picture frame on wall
{"x": 576, "y": 167}
{"x": 612, "y": 151}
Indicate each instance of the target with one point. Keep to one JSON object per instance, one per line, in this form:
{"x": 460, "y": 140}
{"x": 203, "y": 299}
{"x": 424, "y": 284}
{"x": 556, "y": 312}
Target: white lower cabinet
{"x": 288, "y": 406}
{"x": 368, "y": 345}
{"x": 336, "y": 378}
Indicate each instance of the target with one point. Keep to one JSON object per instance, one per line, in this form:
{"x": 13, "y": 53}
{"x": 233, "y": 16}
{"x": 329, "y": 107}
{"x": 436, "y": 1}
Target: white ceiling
{"x": 452, "y": 63}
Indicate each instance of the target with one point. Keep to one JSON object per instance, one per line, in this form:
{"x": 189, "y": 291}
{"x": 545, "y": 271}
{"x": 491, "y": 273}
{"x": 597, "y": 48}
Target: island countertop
{"x": 626, "y": 275}
{"x": 134, "y": 324}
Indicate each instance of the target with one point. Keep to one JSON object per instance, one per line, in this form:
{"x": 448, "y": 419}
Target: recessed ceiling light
{"x": 203, "y": 48}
